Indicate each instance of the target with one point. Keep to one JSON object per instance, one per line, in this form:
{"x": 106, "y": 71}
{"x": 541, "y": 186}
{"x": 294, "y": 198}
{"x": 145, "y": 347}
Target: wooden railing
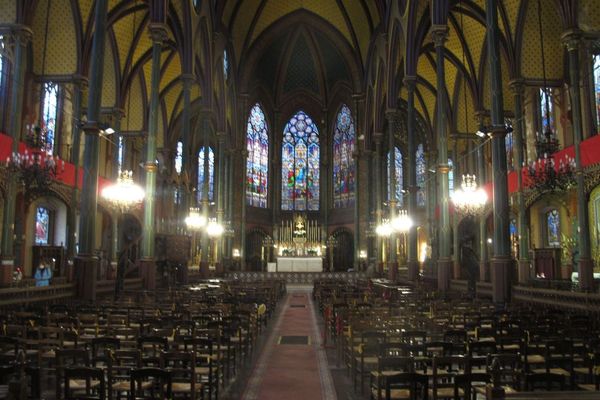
{"x": 37, "y": 294}
{"x": 579, "y": 301}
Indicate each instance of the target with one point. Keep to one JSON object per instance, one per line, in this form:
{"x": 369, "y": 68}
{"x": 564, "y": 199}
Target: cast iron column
{"x": 484, "y": 275}
{"x": 220, "y": 194}
{"x": 116, "y": 125}
{"x": 186, "y": 144}
{"x": 78, "y": 86}
{"x": 413, "y": 258}
{"x": 586, "y": 266}
{"x": 390, "y": 115}
{"x": 147, "y": 263}
{"x": 522, "y": 226}
{"x": 501, "y": 261}
{"x": 86, "y": 262}
{"x": 455, "y": 216}
{"x": 204, "y": 259}
{"x": 357, "y": 203}
{"x": 378, "y": 137}
{"x": 431, "y": 204}
{"x": 439, "y": 34}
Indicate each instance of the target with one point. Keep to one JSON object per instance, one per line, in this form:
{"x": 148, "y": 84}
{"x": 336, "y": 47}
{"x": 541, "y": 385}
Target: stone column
{"x": 378, "y": 137}
{"x": 116, "y": 125}
{"x": 205, "y": 202}
{"x": 572, "y": 40}
{"x": 484, "y": 273}
{"x": 21, "y": 35}
{"x": 158, "y": 34}
{"x": 275, "y": 174}
{"x": 455, "y": 216}
{"x": 522, "y": 225}
{"x": 439, "y": 34}
{"x": 86, "y": 262}
{"x": 501, "y": 263}
{"x": 390, "y": 115}
{"x": 431, "y": 204}
{"x": 357, "y": 155}
{"x": 243, "y": 104}
{"x": 413, "y": 252}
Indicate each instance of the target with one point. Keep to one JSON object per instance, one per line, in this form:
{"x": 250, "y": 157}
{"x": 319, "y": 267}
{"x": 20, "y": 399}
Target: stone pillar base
{"x": 443, "y": 274}
{"x": 147, "y": 267}
{"x": 392, "y": 271}
{"x": 586, "y": 274}
{"x": 86, "y": 271}
{"x": 484, "y": 272}
{"x": 204, "y": 271}
{"x": 413, "y": 270}
{"x": 500, "y": 271}
{"x": 523, "y": 273}
{"x": 6, "y": 271}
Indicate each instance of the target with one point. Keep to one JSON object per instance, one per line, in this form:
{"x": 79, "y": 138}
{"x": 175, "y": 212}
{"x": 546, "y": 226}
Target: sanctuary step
{"x": 295, "y": 277}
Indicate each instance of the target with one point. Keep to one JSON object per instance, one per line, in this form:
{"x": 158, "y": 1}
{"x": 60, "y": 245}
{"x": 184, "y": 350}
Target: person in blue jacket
{"x": 42, "y": 275}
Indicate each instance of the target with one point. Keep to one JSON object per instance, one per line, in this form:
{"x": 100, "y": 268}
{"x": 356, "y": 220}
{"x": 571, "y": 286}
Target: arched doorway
{"x": 343, "y": 251}
{"x": 254, "y": 250}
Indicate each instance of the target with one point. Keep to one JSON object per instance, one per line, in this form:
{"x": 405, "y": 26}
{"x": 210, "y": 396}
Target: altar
{"x": 299, "y": 264}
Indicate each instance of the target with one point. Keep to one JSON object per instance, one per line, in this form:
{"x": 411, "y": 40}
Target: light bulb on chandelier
{"x": 124, "y": 193}
{"x": 469, "y": 199}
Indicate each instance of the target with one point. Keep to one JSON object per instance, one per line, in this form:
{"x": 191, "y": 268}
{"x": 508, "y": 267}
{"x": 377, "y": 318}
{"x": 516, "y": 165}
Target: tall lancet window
{"x": 597, "y": 89}
{"x": 343, "y": 161}
{"x": 49, "y": 115}
{"x": 178, "y": 166}
{"x": 399, "y": 175}
{"x": 211, "y": 173}
{"x": 421, "y": 169}
{"x": 120, "y": 153}
{"x": 450, "y": 177}
{"x": 546, "y": 110}
{"x": 257, "y": 163}
{"x": 300, "y": 164}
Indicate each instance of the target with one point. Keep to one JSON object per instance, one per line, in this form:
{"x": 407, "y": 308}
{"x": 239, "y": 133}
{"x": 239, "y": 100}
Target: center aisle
{"x": 292, "y": 371}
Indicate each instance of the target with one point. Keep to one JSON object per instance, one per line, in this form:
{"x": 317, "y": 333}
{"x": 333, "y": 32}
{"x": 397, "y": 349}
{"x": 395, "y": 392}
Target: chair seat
{"x": 367, "y": 360}
{"x": 384, "y": 373}
{"x": 123, "y": 386}
{"x": 77, "y": 384}
{"x": 446, "y": 392}
{"x": 558, "y": 371}
{"x": 394, "y": 393}
{"x": 185, "y": 387}
{"x": 507, "y": 389}
{"x": 587, "y": 386}
{"x": 581, "y": 370}
{"x": 535, "y": 359}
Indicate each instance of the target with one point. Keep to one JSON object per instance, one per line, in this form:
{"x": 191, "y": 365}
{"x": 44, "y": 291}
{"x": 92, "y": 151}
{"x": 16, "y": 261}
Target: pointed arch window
{"x": 120, "y": 153}
{"x": 343, "y": 162}
{"x": 225, "y": 65}
{"x": 201, "y": 173}
{"x": 42, "y": 226}
{"x": 399, "y": 174}
{"x": 553, "y": 228}
{"x": 257, "y": 163}
{"x": 49, "y": 115}
{"x": 421, "y": 170}
{"x": 179, "y": 157}
{"x": 546, "y": 112}
{"x": 300, "y": 154}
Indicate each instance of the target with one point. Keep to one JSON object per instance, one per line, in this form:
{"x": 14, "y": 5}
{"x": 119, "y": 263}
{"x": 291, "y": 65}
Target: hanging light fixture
{"x": 195, "y": 220}
{"x": 402, "y": 222}
{"x": 469, "y": 199}
{"x": 214, "y": 229}
{"x": 384, "y": 229}
{"x": 124, "y": 194}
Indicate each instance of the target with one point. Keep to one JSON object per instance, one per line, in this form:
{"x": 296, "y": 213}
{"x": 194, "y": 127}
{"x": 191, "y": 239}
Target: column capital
{"x": 220, "y": 136}
{"x": 79, "y": 80}
{"x": 410, "y": 82}
{"x": 498, "y": 131}
{"x": 118, "y": 113}
{"x": 378, "y": 137}
{"x": 187, "y": 79}
{"x": 439, "y": 34}
{"x": 18, "y": 32}
{"x": 517, "y": 86}
{"x": 571, "y": 39}
{"x": 158, "y": 32}
{"x": 391, "y": 114}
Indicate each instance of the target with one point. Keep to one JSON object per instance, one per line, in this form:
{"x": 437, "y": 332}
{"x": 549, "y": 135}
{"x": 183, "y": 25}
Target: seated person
{"x": 43, "y": 274}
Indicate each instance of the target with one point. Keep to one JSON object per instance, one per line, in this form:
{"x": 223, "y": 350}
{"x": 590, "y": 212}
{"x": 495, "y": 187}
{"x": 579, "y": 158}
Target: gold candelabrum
{"x": 299, "y": 237}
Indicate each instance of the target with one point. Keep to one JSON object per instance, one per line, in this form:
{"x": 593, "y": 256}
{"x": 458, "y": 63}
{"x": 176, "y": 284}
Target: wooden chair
{"x": 121, "y": 362}
{"x": 84, "y": 383}
{"x": 388, "y": 366}
{"x": 206, "y": 369}
{"x": 150, "y": 383}
{"x": 464, "y": 383}
{"x": 443, "y": 373}
{"x": 406, "y": 385}
{"x": 181, "y": 365}
{"x": 545, "y": 381}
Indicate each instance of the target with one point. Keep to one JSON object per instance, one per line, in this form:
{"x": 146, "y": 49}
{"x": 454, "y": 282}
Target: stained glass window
{"x": 450, "y": 177}
{"x": 421, "y": 175}
{"x": 343, "y": 162}
{"x": 49, "y": 114}
{"x": 300, "y": 164}
{"x": 42, "y": 226}
{"x": 546, "y": 110}
{"x": 257, "y": 163}
{"x": 597, "y": 89}
{"x": 514, "y": 237}
{"x": 179, "y": 157}
{"x": 120, "y": 153}
{"x": 225, "y": 65}
{"x": 211, "y": 173}
{"x": 399, "y": 172}
{"x": 508, "y": 142}
{"x": 553, "y": 228}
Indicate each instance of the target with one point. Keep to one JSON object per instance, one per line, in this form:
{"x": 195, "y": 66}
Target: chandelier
{"x": 400, "y": 223}
{"x": 123, "y": 194}
{"x": 196, "y": 221}
{"x": 469, "y": 199}
{"x": 35, "y": 167}
{"x": 545, "y": 175}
